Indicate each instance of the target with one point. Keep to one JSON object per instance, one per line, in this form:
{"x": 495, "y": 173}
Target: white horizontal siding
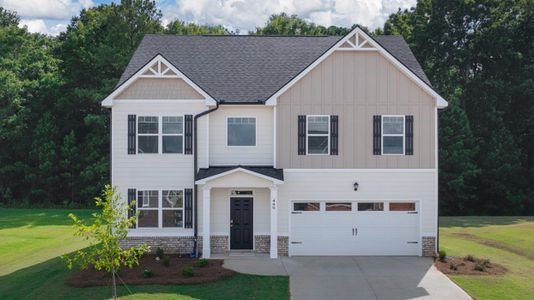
{"x": 376, "y": 185}
{"x": 151, "y": 171}
{"x": 261, "y": 154}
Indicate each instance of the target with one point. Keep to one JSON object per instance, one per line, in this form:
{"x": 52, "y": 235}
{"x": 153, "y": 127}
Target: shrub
{"x": 147, "y": 273}
{"x": 486, "y": 262}
{"x": 201, "y": 263}
{"x": 160, "y": 253}
{"x": 453, "y": 266}
{"x": 470, "y": 258}
{"x": 166, "y": 260}
{"x": 442, "y": 255}
{"x": 188, "y": 272}
{"x": 480, "y": 267}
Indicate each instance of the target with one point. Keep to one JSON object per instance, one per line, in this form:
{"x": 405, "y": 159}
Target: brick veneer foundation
{"x": 429, "y": 246}
{"x": 262, "y": 244}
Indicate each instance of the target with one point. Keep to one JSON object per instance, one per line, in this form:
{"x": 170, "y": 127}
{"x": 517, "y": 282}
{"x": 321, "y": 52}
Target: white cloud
{"x": 46, "y": 9}
{"x": 40, "y": 26}
{"x": 248, "y": 14}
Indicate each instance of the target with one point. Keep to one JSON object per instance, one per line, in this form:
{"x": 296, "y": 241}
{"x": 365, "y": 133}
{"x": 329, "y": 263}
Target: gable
{"x": 357, "y": 77}
{"x": 159, "y": 88}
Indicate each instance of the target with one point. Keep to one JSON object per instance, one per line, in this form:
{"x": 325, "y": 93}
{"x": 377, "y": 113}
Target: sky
{"x": 53, "y": 16}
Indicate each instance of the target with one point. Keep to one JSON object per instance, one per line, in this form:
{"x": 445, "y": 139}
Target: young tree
{"x": 109, "y": 227}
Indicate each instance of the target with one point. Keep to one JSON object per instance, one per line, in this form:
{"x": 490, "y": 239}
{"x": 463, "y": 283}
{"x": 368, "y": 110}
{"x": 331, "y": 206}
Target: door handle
{"x": 355, "y": 231}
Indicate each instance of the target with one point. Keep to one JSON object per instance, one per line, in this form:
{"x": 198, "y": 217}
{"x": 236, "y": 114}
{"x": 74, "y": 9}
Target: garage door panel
{"x": 378, "y": 233}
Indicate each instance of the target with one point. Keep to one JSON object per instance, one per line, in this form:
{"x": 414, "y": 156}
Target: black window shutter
{"x": 334, "y": 140}
{"x": 188, "y": 134}
{"x": 409, "y": 135}
{"x": 133, "y": 209}
{"x": 131, "y": 133}
{"x": 188, "y": 208}
{"x": 377, "y": 135}
{"x": 302, "y": 135}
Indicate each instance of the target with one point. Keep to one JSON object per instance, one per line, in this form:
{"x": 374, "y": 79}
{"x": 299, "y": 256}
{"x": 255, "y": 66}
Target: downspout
{"x": 195, "y": 165}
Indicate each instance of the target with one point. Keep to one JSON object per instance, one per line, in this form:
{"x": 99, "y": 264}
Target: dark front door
{"x": 241, "y": 223}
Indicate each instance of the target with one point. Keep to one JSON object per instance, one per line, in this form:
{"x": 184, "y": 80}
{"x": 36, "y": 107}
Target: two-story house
{"x": 288, "y": 145}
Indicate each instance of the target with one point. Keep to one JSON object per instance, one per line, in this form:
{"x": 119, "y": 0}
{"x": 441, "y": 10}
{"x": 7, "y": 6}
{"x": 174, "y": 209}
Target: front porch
{"x": 238, "y": 211}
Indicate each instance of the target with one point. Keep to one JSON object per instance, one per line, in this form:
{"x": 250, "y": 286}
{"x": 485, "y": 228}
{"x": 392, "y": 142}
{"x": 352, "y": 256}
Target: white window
{"x": 173, "y": 135}
{"x": 160, "y": 209}
{"x": 147, "y": 134}
{"x": 153, "y": 135}
{"x": 393, "y": 135}
{"x": 318, "y": 134}
{"x": 241, "y": 131}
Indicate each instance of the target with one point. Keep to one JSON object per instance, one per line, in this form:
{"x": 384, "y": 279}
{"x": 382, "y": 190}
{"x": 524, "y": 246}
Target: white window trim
{"x": 160, "y": 134}
{"x": 317, "y": 134}
{"x": 255, "y": 132}
{"x": 160, "y": 209}
{"x": 403, "y": 135}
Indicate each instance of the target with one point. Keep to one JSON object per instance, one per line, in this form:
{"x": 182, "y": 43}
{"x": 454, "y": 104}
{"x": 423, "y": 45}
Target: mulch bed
{"x": 467, "y": 267}
{"x": 161, "y": 274}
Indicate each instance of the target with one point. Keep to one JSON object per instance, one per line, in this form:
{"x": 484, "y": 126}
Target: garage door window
{"x": 306, "y": 206}
{"x": 402, "y": 206}
{"x": 339, "y": 206}
{"x": 371, "y": 206}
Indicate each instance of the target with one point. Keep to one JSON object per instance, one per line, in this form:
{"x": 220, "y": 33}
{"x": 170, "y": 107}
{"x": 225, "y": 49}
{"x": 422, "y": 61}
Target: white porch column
{"x": 206, "y": 195}
{"x": 274, "y": 221}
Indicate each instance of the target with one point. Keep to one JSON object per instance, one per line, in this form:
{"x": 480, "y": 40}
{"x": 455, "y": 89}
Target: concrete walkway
{"x": 358, "y": 277}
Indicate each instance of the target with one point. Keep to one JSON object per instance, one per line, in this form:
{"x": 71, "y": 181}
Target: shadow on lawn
{"x": 13, "y": 218}
{"x": 482, "y": 221}
{"x": 47, "y": 281}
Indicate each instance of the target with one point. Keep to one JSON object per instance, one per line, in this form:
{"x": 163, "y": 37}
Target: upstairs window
{"x": 148, "y": 129}
{"x": 173, "y": 135}
{"x": 393, "y": 135}
{"x": 241, "y": 131}
{"x": 318, "y": 134}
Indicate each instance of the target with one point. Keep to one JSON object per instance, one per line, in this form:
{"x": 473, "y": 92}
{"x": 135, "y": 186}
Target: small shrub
{"x": 480, "y": 267}
{"x": 201, "y": 263}
{"x": 453, "y": 266}
{"x": 147, "y": 273}
{"x": 442, "y": 255}
{"x": 470, "y": 258}
{"x": 188, "y": 272}
{"x": 486, "y": 262}
{"x": 160, "y": 253}
{"x": 166, "y": 260}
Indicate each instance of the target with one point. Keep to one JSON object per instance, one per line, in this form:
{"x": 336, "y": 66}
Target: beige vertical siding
{"x": 159, "y": 88}
{"x": 355, "y": 86}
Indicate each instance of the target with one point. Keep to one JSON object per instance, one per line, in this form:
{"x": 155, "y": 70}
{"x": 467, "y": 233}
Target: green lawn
{"x": 508, "y": 241}
{"x": 30, "y": 267}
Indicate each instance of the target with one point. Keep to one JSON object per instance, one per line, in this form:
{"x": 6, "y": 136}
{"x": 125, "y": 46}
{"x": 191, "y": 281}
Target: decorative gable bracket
{"x": 356, "y": 42}
{"x": 158, "y": 67}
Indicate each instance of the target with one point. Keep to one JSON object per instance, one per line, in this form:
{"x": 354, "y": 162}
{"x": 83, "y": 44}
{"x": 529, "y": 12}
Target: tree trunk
{"x": 114, "y": 285}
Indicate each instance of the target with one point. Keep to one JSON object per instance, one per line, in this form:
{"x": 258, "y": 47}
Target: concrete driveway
{"x": 355, "y": 277}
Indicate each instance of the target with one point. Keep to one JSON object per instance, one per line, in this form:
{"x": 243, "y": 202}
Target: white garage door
{"x": 355, "y": 228}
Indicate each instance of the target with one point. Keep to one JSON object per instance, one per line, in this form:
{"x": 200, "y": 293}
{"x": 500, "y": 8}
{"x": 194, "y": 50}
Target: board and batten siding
{"x": 374, "y": 186}
{"x": 152, "y": 171}
{"x": 159, "y": 88}
{"x": 261, "y": 154}
{"x": 355, "y": 86}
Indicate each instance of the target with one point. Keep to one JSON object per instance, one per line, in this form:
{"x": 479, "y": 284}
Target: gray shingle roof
{"x": 263, "y": 170}
{"x": 247, "y": 69}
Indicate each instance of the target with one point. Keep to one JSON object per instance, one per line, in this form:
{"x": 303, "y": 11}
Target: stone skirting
{"x": 429, "y": 245}
{"x": 262, "y": 244}
{"x": 172, "y": 245}
{"x": 218, "y": 244}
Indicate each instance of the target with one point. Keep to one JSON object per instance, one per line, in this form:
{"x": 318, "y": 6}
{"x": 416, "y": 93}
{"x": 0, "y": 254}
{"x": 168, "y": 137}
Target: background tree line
{"x": 478, "y": 54}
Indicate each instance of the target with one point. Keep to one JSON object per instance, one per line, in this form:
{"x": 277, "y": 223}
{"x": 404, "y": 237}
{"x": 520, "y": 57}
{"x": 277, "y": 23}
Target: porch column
{"x": 206, "y": 195}
{"x": 274, "y": 221}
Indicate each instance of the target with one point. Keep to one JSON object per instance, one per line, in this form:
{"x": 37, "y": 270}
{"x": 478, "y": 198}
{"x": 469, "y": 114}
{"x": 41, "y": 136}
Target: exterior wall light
{"x": 356, "y": 186}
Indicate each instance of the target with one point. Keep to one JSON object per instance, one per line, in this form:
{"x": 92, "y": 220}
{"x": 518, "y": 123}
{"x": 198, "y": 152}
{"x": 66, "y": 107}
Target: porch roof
{"x": 205, "y": 174}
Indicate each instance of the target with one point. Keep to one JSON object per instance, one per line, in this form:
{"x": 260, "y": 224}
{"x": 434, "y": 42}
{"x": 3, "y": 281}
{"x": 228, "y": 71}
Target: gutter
{"x": 195, "y": 165}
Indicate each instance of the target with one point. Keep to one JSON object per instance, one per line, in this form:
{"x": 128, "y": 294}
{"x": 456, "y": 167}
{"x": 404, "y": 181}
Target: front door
{"x": 241, "y": 231}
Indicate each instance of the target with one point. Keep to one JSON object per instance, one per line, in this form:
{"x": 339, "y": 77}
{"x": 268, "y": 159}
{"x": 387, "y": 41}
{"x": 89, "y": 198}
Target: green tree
{"x": 284, "y": 24}
{"x": 109, "y": 227}
{"x": 181, "y": 28}
{"x": 8, "y": 18}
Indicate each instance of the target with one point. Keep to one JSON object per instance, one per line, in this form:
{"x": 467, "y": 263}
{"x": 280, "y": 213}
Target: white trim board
{"x": 207, "y": 179}
{"x": 361, "y": 170}
{"x": 440, "y": 102}
{"x": 108, "y": 102}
